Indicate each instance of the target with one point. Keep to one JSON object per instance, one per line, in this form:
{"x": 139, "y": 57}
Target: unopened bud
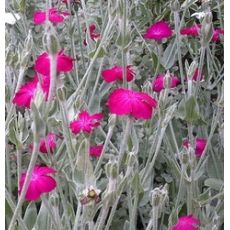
{"x": 206, "y": 30}
{"x": 185, "y": 158}
{"x": 192, "y": 69}
{"x": 61, "y": 94}
{"x": 167, "y": 80}
{"x": 29, "y": 42}
{"x": 175, "y": 5}
{"x": 52, "y": 44}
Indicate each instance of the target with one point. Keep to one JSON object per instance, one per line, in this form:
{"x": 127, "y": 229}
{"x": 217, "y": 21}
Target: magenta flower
{"x": 158, "y": 31}
{"x": 216, "y": 34}
{"x": 158, "y": 83}
{"x": 95, "y": 150}
{"x": 86, "y": 122}
{"x": 187, "y": 223}
{"x": 128, "y": 102}
{"x": 64, "y": 63}
{"x": 40, "y": 182}
{"x": 196, "y": 74}
{"x": 48, "y": 141}
{"x": 200, "y": 146}
{"x": 116, "y": 74}
{"x": 55, "y": 16}
{"x": 25, "y": 94}
{"x": 193, "y": 31}
{"x": 92, "y": 33}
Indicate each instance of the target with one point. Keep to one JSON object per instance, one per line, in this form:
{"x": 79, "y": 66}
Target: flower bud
{"x": 175, "y": 5}
{"x": 53, "y": 45}
{"x": 159, "y": 196}
{"x": 61, "y": 94}
{"x": 206, "y": 30}
{"x": 192, "y": 69}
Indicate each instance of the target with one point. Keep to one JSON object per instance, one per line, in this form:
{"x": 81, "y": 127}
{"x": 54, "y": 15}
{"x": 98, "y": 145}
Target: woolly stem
{"x": 124, "y": 141}
{"x": 51, "y": 212}
{"x": 26, "y": 183}
{"x": 178, "y": 41}
{"x": 108, "y": 137}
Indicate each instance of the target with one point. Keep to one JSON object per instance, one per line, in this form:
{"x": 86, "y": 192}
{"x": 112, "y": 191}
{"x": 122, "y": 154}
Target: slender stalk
{"x": 73, "y": 96}
{"x": 12, "y": 206}
{"x": 178, "y": 41}
{"x": 51, "y": 212}
{"x": 26, "y": 183}
{"x": 19, "y": 164}
{"x": 123, "y": 53}
{"x": 133, "y": 219}
{"x": 108, "y": 137}
{"x": 8, "y": 171}
{"x": 103, "y": 216}
{"x": 20, "y": 78}
{"x": 189, "y": 198}
{"x": 124, "y": 141}
{"x": 149, "y": 169}
{"x": 67, "y": 134}
{"x": 96, "y": 82}
{"x": 53, "y": 73}
{"x": 155, "y": 217}
{"x": 77, "y": 217}
{"x": 201, "y": 64}
{"x": 64, "y": 203}
{"x": 174, "y": 137}
{"x": 81, "y": 42}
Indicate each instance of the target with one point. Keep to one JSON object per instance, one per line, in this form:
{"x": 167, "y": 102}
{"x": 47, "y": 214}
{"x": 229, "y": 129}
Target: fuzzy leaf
{"x": 30, "y": 215}
{"x": 169, "y": 56}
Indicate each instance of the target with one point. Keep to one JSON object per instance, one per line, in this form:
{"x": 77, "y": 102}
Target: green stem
{"x": 72, "y": 98}
{"x": 51, "y": 213}
{"x": 20, "y": 78}
{"x": 77, "y": 217}
{"x": 53, "y": 73}
{"x": 8, "y": 171}
{"x": 26, "y": 183}
{"x": 12, "y": 206}
{"x": 67, "y": 134}
{"x": 108, "y": 137}
{"x": 178, "y": 41}
{"x": 124, "y": 141}
{"x": 96, "y": 82}
{"x": 133, "y": 218}
{"x": 149, "y": 169}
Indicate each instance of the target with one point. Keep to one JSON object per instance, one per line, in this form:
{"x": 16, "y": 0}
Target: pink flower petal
{"x": 200, "y": 145}
{"x": 42, "y": 64}
{"x": 45, "y": 184}
{"x": 55, "y": 16}
{"x": 158, "y": 83}
{"x": 128, "y": 102}
{"x": 44, "y": 170}
{"x": 64, "y": 63}
{"x": 39, "y": 17}
{"x": 158, "y": 31}
{"x": 25, "y": 94}
{"x": 75, "y": 127}
{"x": 187, "y": 223}
{"x": 119, "y": 103}
{"x": 96, "y": 150}
{"x": 116, "y": 73}
{"x": 193, "y": 31}
{"x": 85, "y": 122}
{"x": 49, "y": 141}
